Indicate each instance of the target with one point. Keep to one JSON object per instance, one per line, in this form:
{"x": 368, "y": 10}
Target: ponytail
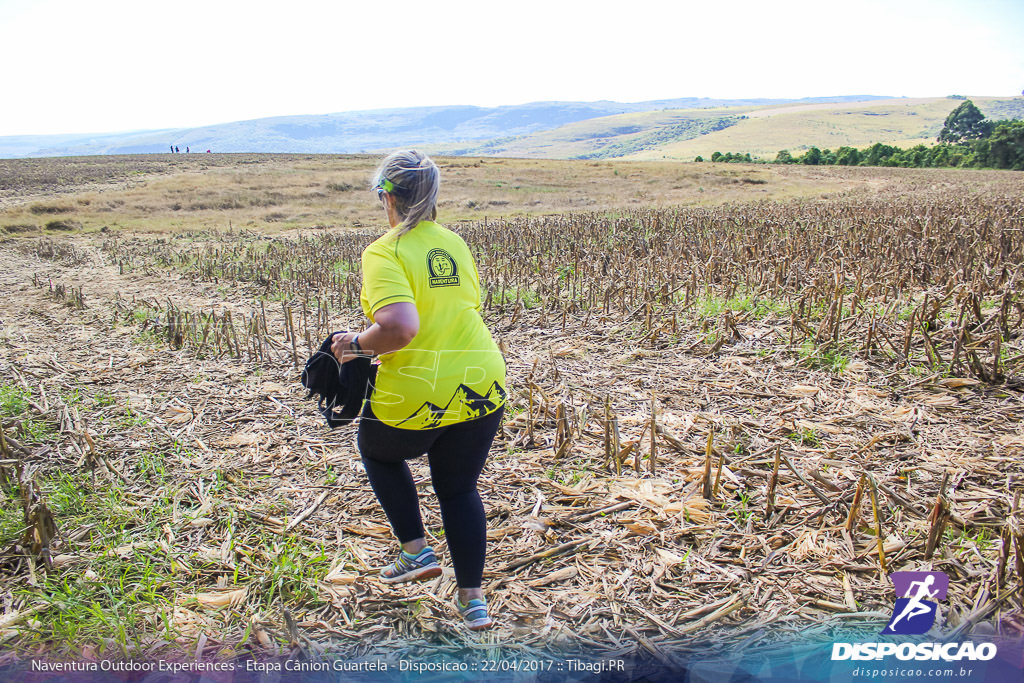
{"x": 415, "y": 182}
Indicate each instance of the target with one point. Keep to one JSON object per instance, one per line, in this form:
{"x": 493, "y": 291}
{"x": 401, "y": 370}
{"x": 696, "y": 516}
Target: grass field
{"x": 764, "y": 132}
{"x": 161, "y": 193}
{"x": 736, "y": 395}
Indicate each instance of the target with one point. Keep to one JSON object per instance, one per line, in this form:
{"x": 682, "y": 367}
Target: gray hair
{"x": 416, "y": 183}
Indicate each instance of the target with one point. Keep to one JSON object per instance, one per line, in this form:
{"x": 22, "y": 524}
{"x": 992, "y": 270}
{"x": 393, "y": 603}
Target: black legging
{"x": 456, "y": 454}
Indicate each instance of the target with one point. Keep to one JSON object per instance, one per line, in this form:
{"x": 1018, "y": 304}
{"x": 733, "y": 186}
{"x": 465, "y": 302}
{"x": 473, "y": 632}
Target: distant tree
{"x": 960, "y": 156}
{"x": 699, "y": 158}
{"x": 784, "y": 157}
{"x": 939, "y": 156}
{"x": 877, "y": 155}
{"x": 847, "y": 156}
{"x": 917, "y": 156}
{"x": 966, "y": 122}
{"x": 1005, "y": 148}
{"x": 980, "y": 153}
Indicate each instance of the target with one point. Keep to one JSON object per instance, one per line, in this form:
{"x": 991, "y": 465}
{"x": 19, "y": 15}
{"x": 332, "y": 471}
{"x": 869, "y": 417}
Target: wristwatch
{"x": 354, "y": 346}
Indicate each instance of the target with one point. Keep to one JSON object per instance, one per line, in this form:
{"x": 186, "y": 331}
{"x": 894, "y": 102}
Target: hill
{"x": 360, "y": 131}
{"x": 659, "y": 129}
{"x": 761, "y": 130}
{"x": 766, "y": 130}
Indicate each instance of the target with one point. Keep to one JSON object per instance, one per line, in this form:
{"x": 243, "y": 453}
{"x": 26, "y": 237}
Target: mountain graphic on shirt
{"x": 495, "y": 395}
{"x": 465, "y": 404}
{"x": 427, "y": 416}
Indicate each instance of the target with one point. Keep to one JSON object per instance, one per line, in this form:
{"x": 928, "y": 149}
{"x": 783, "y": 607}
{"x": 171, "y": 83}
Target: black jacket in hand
{"x": 342, "y": 387}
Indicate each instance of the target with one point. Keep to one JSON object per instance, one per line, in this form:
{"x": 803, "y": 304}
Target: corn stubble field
{"x": 726, "y": 424}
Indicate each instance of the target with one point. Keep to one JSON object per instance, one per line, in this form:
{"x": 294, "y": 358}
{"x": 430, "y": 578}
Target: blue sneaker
{"x": 418, "y": 567}
{"x": 474, "y": 614}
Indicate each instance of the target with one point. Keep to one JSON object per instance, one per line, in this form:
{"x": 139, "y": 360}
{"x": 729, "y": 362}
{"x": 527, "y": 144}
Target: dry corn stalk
{"x": 773, "y": 482}
{"x": 937, "y": 519}
{"x": 878, "y": 527}
{"x": 708, "y": 451}
{"x": 607, "y": 432}
{"x": 654, "y": 432}
{"x": 858, "y": 495}
{"x": 1012, "y": 542}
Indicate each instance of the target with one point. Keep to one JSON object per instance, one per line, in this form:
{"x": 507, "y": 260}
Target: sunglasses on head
{"x": 383, "y": 186}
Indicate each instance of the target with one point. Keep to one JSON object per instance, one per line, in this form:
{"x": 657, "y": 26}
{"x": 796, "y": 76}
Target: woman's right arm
{"x": 395, "y": 326}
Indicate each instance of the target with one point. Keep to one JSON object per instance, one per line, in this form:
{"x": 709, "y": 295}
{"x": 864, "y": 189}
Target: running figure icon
{"x": 916, "y": 606}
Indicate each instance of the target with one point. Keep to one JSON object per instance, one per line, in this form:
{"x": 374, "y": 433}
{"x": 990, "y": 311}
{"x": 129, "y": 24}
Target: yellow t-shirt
{"x": 452, "y": 371}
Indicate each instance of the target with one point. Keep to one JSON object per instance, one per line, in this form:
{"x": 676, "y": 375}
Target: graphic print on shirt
{"x": 417, "y": 387}
{"x": 467, "y": 403}
{"x": 444, "y": 272}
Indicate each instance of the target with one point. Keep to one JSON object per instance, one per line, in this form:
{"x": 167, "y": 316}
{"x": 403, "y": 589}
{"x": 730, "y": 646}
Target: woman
{"x": 440, "y": 387}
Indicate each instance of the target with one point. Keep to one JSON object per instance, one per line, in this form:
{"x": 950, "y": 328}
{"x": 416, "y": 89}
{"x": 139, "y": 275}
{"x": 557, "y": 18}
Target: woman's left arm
{"x": 394, "y": 327}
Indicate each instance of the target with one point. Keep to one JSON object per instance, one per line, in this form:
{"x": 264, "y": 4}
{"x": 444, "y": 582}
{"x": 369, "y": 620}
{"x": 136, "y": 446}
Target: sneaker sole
{"x": 476, "y": 626}
{"x": 416, "y": 575}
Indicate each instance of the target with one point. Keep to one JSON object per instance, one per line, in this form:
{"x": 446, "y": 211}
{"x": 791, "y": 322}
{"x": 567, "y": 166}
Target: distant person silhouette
{"x": 172, "y": 149}
{"x": 176, "y": 150}
{"x": 186, "y": 150}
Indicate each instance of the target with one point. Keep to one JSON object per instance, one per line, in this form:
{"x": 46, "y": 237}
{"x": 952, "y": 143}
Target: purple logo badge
{"x": 916, "y": 596}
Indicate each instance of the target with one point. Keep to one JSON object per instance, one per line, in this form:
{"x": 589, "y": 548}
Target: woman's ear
{"x": 389, "y": 208}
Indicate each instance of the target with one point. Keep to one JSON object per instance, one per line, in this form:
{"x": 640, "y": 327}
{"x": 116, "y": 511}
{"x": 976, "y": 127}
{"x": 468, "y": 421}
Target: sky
{"x": 68, "y": 66}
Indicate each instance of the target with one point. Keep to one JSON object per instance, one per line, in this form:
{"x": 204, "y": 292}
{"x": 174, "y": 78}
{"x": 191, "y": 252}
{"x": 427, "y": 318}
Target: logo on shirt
{"x": 444, "y": 272}
{"x": 915, "y": 608}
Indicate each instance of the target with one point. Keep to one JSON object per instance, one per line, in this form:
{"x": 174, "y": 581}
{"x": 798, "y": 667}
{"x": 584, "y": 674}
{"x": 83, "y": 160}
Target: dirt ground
{"x": 644, "y": 561}
{"x": 266, "y": 537}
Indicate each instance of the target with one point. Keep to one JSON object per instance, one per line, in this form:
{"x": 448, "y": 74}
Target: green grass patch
{"x": 104, "y": 399}
{"x": 295, "y": 568}
{"x": 148, "y": 337}
{"x": 138, "y": 557}
{"x": 144, "y": 314}
{"x": 712, "y": 306}
{"x": 565, "y": 477}
{"x": 741, "y": 512}
{"x": 12, "y": 519}
{"x": 507, "y": 295}
{"x": 111, "y": 599}
{"x": 150, "y": 465}
{"x": 825, "y": 357}
{"x": 36, "y": 431}
{"x": 131, "y": 418}
{"x": 982, "y": 539}
{"x": 805, "y": 437}
{"x": 13, "y": 400}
